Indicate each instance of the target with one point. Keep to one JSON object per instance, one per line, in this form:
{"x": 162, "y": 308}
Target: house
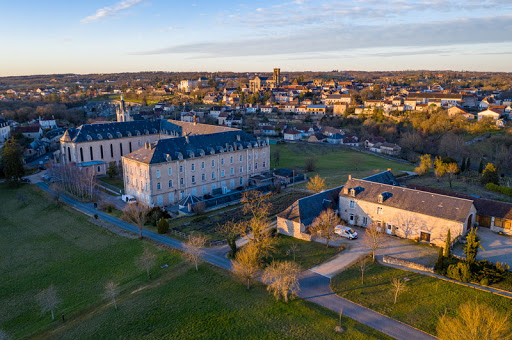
{"x": 405, "y": 212}
{"x": 350, "y": 141}
{"x": 338, "y": 99}
{"x": 47, "y": 122}
{"x": 370, "y": 142}
{"x": 292, "y": 134}
{"x": 317, "y": 137}
{"x": 494, "y": 114}
{"x": 5, "y": 131}
{"x": 168, "y": 170}
{"x": 335, "y": 138}
{"x": 305, "y": 130}
{"x": 267, "y": 109}
{"x": 316, "y": 109}
{"x": 296, "y": 219}
{"x": 221, "y": 119}
{"x": 390, "y": 149}
{"x": 32, "y": 131}
{"x": 269, "y": 130}
{"x": 456, "y": 111}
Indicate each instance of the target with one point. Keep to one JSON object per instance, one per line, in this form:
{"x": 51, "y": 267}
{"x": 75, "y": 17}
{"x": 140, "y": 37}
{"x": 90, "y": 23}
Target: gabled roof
{"x": 422, "y": 202}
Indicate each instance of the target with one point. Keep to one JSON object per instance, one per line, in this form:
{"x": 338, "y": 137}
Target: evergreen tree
{"x": 463, "y": 164}
{"x": 439, "y": 263}
{"x": 447, "y": 251}
{"x": 468, "y": 164}
{"x": 12, "y": 161}
{"x": 481, "y": 166}
{"x": 472, "y": 245}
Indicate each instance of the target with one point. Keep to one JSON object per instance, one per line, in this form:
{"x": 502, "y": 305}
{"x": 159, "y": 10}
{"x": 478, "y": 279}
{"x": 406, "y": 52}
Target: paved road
{"x": 498, "y": 248}
{"x": 314, "y": 287}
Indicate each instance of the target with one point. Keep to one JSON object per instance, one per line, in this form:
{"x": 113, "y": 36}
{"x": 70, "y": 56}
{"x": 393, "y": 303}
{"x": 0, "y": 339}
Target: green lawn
{"x": 308, "y": 254}
{"x": 114, "y": 181}
{"x": 43, "y": 244}
{"x": 424, "y": 301}
{"x": 334, "y": 163}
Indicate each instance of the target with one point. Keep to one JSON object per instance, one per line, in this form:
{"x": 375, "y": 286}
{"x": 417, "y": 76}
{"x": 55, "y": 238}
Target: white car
{"x": 128, "y": 199}
{"x": 345, "y": 231}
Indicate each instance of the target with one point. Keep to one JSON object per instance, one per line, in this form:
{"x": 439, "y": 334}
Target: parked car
{"x": 25, "y": 180}
{"x": 345, "y": 231}
{"x": 128, "y": 199}
{"x": 42, "y": 167}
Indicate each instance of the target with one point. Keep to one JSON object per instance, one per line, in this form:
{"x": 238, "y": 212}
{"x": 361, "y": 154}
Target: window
{"x": 130, "y": 146}
{"x": 249, "y": 157}
{"x": 231, "y": 160}
{"x": 263, "y": 154}
{"x": 139, "y": 142}
{"x": 181, "y": 169}
{"x": 181, "y": 181}
{"x": 158, "y": 186}
{"x": 193, "y": 179}
{"x": 249, "y": 167}
{"x": 158, "y": 174}
{"x": 170, "y": 183}
{"x": 121, "y": 148}
{"x": 380, "y": 199}
{"x": 169, "y": 171}
{"x": 203, "y": 177}
{"x": 241, "y": 169}
{"x": 222, "y": 173}
{"x": 160, "y": 200}
{"x": 204, "y": 189}
{"x": 99, "y": 170}
{"x": 365, "y": 220}
{"x": 111, "y": 151}
{"x": 379, "y": 211}
{"x": 101, "y": 151}
{"x": 232, "y": 171}
{"x": 255, "y": 166}
{"x": 256, "y": 155}
{"x": 352, "y": 205}
{"x": 81, "y": 155}
{"x": 263, "y": 163}
{"x": 202, "y": 165}
{"x": 222, "y": 161}
{"x": 241, "y": 158}
{"x": 241, "y": 181}
{"x": 213, "y": 163}
{"x": 90, "y": 151}
{"x": 213, "y": 175}
{"x": 192, "y": 166}
{"x": 171, "y": 197}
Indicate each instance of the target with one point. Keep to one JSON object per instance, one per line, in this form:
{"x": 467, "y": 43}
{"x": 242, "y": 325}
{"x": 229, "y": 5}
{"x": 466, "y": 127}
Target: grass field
{"x": 424, "y": 301}
{"x": 44, "y": 244}
{"x": 333, "y": 162}
{"x": 307, "y": 254}
{"x": 114, "y": 181}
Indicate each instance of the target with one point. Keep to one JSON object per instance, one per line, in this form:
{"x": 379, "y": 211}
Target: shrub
{"x": 156, "y": 213}
{"x": 310, "y": 164}
{"x": 460, "y": 272}
{"x": 497, "y": 188}
{"x": 96, "y": 216}
{"x": 105, "y": 206}
{"x": 163, "y": 226}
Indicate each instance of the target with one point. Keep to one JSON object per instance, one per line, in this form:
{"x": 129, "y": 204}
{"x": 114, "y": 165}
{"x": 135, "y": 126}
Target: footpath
{"x": 314, "y": 287}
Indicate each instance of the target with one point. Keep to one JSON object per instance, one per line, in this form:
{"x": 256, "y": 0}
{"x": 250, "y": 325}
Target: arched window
{"x": 101, "y": 151}
{"x": 81, "y": 155}
{"x": 121, "y": 148}
{"x": 69, "y": 153}
{"x": 90, "y": 151}
{"x": 111, "y": 151}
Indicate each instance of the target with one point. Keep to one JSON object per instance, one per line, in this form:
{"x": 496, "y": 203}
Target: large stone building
{"x": 378, "y": 199}
{"x": 96, "y": 145}
{"x": 259, "y": 83}
{"x": 168, "y": 170}
{"x": 405, "y": 212}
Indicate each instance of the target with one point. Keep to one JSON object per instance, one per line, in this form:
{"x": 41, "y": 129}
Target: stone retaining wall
{"x": 405, "y": 263}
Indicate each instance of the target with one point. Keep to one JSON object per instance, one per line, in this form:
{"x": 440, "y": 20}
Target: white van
{"x": 128, "y": 199}
{"x": 345, "y": 231}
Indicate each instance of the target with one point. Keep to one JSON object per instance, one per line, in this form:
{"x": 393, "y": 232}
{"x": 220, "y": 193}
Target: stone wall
{"x": 404, "y": 263}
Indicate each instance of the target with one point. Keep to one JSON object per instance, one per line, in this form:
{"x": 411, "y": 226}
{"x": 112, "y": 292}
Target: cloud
{"x": 344, "y": 38}
{"x": 110, "y": 11}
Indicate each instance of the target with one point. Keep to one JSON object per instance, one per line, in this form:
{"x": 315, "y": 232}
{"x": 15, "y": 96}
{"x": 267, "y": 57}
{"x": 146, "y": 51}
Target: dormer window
{"x": 353, "y": 192}
{"x": 380, "y": 198}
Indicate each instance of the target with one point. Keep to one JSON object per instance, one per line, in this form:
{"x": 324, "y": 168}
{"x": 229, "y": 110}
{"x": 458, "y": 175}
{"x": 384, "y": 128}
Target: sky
{"x": 106, "y": 36}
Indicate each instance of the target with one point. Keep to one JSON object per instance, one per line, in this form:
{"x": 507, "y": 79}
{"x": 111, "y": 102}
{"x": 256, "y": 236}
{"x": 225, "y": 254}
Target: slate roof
{"x": 483, "y": 206}
{"x": 385, "y": 177}
{"x": 422, "y": 202}
{"x": 94, "y": 132}
{"x": 306, "y": 209}
{"x": 188, "y": 128}
{"x": 187, "y": 147}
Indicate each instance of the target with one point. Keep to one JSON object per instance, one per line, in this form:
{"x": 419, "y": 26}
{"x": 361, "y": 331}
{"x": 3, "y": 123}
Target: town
{"x": 256, "y": 170}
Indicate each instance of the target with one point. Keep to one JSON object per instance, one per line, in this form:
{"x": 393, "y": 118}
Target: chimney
{"x": 186, "y": 139}
{"x": 195, "y": 120}
{"x": 238, "y": 138}
{"x": 349, "y": 177}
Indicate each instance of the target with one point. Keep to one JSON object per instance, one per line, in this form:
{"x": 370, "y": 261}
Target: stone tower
{"x": 277, "y": 77}
{"x": 122, "y": 112}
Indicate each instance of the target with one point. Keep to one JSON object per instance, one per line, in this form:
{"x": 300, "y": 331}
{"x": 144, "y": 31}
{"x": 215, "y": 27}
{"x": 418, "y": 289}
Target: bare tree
{"x": 310, "y": 164}
{"x": 451, "y": 170}
{"x": 316, "y": 184}
{"x": 282, "y": 278}
{"x": 48, "y": 300}
{"x": 247, "y": 263}
{"x": 293, "y": 248}
{"x": 193, "y": 249}
{"x": 324, "y": 225}
{"x": 146, "y": 261}
{"x": 373, "y": 238}
{"x": 111, "y": 292}
{"x": 398, "y": 286}
{"x": 475, "y": 321}
{"x": 363, "y": 266}
{"x": 136, "y": 213}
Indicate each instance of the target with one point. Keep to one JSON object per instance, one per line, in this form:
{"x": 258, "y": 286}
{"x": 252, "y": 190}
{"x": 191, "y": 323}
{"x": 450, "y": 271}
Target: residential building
{"x": 292, "y": 134}
{"x": 5, "y": 131}
{"x": 165, "y": 171}
{"x": 47, "y": 122}
{"x": 495, "y": 114}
